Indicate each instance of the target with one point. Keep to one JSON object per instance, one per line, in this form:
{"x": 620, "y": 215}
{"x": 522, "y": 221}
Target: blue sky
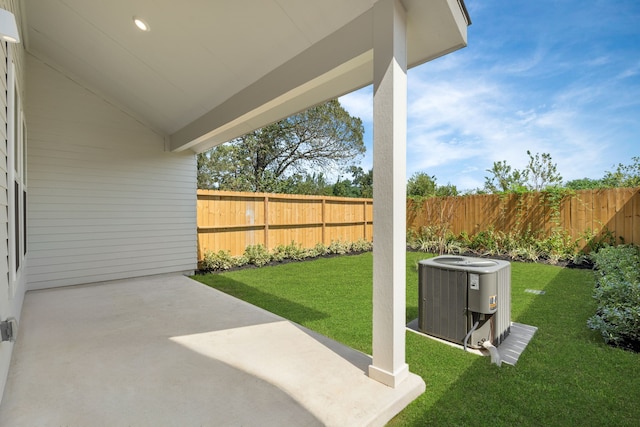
{"x": 559, "y": 77}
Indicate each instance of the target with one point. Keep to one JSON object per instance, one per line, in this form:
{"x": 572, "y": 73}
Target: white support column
{"x": 389, "y": 192}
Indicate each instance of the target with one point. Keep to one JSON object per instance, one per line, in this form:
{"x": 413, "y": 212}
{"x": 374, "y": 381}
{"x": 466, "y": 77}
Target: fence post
{"x": 324, "y": 221}
{"x": 364, "y": 220}
{"x": 266, "y": 222}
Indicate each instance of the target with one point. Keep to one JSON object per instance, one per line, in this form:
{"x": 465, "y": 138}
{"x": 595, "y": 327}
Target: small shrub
{"x": 279, "y": 253}
{"x": 221, "y": 260}
{"x": 435, "y": 240}
{"x": 620, "y": 262}
{"x": 319, "y": 250}
{"x": 558, "y": 246}
{"x": 295, "y": 252}
{"x": 425, "y": 245}
{"x": 596, "y": 241}
{"x": 618, "y": 294}
{"x": 361, "y": 245}
{"x": 452, "y": 247}
{"x": 485, "y": 242}
{"x": 257, "y": 255}
{"x": 420, "y": 239}
{"x": 339, "y": 247}
{"x": 581, "y": 258}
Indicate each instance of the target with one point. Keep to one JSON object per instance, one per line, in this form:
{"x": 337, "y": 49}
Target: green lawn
{"x": 565, "y": 377}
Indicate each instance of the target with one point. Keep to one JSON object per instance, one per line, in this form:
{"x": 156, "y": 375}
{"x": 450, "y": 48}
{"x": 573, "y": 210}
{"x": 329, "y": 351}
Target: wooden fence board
{"x": 565, "y": 215}
{"x": 635, "y": 227}
{"x": 581, "y": 222}
{"x": 628, "y": 216}
{"x": 617, "y": 223}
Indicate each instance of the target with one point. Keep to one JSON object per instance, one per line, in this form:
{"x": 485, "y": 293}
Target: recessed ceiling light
{"x": 141, "y": 23}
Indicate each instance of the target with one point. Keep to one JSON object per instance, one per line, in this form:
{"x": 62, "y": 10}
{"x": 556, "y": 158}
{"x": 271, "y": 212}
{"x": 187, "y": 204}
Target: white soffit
{"x": 208, "y": 71}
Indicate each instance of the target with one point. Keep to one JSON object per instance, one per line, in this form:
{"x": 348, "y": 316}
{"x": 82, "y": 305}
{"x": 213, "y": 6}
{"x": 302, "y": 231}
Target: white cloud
{"x": 359, "y": 104}
{"x": 498, "y": 98}
{"x": 478, "y": 121}
{"x": 631, "y": 71}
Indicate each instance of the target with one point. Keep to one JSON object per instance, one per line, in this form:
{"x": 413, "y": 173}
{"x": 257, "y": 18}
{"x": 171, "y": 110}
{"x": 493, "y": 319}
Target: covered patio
{"x": 167, "y": 350}
{"x": 100, "y": 194}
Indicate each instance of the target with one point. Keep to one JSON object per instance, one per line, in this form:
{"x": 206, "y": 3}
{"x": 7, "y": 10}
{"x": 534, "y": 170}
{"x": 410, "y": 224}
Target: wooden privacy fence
{"x": 232, "y": 221}
{"x": 615, "y": 210}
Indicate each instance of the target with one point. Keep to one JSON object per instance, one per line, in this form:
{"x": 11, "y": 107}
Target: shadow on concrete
{"x": 286, "y": 308}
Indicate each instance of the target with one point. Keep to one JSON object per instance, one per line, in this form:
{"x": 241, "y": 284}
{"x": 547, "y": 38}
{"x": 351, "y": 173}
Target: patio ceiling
{"x": 208, "y": 71}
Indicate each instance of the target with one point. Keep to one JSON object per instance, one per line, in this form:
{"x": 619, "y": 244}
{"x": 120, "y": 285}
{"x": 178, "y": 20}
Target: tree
{"x": 310, "y": 184}
{"x": 448, "y": 190}
{"x": 624, "y": 175}
{"x": 220, "y": 169}
{"x": 362, "y": 180}
{"x": 504, "y": 179}
{"x": 344, "y": 188}
{"x": 540, "y": 173}
{"x": 585, "y": 184}
{"x": 422, "y": 185}
{"x": 361, "y": 184}
{"x": 266, "y": 159}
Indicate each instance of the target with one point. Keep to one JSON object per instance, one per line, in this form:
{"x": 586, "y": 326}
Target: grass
{"x": 566, "y": 376}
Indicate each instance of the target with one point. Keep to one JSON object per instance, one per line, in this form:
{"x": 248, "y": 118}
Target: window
{"x": 16, "y": 176}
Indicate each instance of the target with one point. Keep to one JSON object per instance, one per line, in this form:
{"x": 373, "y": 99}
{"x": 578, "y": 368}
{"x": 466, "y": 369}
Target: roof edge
{"x": 465, "y": 12}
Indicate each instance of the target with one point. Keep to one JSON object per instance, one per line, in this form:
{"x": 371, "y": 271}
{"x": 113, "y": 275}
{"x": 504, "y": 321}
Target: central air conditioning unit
{"x": 465, "y": 300}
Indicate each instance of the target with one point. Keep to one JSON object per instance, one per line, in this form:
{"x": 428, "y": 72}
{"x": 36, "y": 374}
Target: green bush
{"x": 319, "y": 250}
{"x": 435, "y": 240}
{"x": 295, "y": 252}
{"x": 559, "y": 245}
{"x": 617, "y": 291}
{"x": 291, "y": 251}
{"x": 361, "y": 245}
{"x": 279, "y": 253}
{"x": 423, "y": 240}
{"x": 257, "y": 255}
{"x": 524, "y": 245}
{"x": 597, "y": 240}
{"x": 485, "y": 241}
{"x": 221, "y": 260}
{"x": 339, "y": 247}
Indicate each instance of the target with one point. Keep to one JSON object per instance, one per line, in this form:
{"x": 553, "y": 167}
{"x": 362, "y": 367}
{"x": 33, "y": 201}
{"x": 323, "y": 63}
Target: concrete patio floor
{"x": 169, "y": 351}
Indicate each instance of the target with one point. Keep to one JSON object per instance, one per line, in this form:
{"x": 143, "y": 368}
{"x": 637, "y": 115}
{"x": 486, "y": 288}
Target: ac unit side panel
{"x": 482, "y": 298}
{"x": 443, "y": 300}
{"x": 457, "y": 323}
{"x": 503, "y": 314}
{"x": 425, "y": 296}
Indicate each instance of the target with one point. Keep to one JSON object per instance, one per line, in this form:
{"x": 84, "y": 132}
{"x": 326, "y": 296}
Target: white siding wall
{"x": 106, "y": 201}
{"x": 10, "y": 305}
{"x": 5, "y": 347}
{"x": 4, "y": 196}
